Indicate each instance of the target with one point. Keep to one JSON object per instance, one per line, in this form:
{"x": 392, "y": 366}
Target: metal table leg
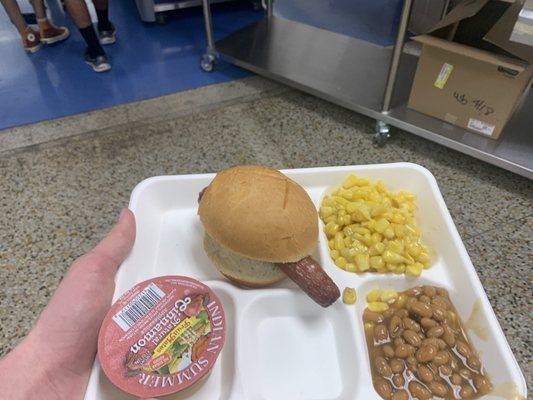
{"x": 383, "y": 129}
{"x": 270, "y": 8}
{"x": 208, "y": 59}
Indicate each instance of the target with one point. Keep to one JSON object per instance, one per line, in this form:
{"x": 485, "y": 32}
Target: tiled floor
{"x": 57, "y": 199}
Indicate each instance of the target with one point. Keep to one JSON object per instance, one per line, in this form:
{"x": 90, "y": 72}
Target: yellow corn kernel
{"x": 413, "y": 270}
{"x": 341, "y": 201}
{"x": 347, "y": 241}
{"x": 376, "y": 262}
{"x": 391, "y": 267}
{"x": 362, "y": 262}
{"x": 334, "y": 254}
{"x": 392, "y": 258}
{"x": 332, "y": 228}
{"x": 395, "y": 246}
{"x": 409, "y": 259}
{"x": 398, "y": 218}
{"x": 400, "y": 269}
{"x": 367, "y": 239}
{"x": 350, "y": 267}
{"x": 399, "y": 231}
{"x": 361, "y": 231}
{"x": 346, "y": 194}
{"x": 340, "y": 213}
{"x": 376, "y": 238}
{"x": 381, "y": 225}
{"x": 328, "y": 201}
{"x": 378, "y": 209}
{"x": 376, "y": 249}
{"x": 339, "y": 241}
{"x": 349, "y": 182}
{"x": 423, "y": 258}
{"x": 388, "y": 295}
{"x": 369, "y": 327}
{"x": 348, "y": 230}
{"x": 341, "y": 262}
{"x": 331, "y": 243}
{"x": 373, "y": 295}
{"x": 326, "y": 211}
{"x": 345, "y": 219}
{"x": 349, "y": 295}
{"x": 382, "y": 269}
{"x": 389, "y": 233}
{"x": 331, "y": 218}
{"x": 413, "y": 249}
{"x": 378, "y": 306}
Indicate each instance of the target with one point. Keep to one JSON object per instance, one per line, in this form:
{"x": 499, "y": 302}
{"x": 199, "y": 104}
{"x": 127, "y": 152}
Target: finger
{"x": 106, "y": 257}
{"x": 116, "y": 246}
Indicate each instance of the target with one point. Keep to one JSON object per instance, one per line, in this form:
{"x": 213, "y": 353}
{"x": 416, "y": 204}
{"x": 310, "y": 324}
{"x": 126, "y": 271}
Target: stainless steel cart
{"x": 364, "y": 77}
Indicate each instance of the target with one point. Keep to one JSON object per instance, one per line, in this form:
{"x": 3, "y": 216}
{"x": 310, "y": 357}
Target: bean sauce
{"x": 419, "y": 350}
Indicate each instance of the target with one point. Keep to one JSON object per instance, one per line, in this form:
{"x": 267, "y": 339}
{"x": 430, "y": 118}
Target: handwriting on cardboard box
{"x": 479, "y": 105}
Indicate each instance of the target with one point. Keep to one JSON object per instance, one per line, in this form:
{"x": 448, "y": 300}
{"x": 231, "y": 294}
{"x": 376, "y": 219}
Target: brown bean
{"x": 371, "y": 316}
{"x": 482, "y": 384}
{"x": 465, "y": 373}
{"x": 466, "y": 392}
{"x": 419, "y": 391}
{"x": 398, "y": 380}
{"x": 397, "y": 365}
{"x": 448, "y": 336}
{"x": 442, "y": 292}
{"x": 439, "y": 314}
{"x": 409, "y": 302}
{"x": 421, "y": 309}
{"x": 463, "y": 348}
{"x": 424, "y": 299}
{"x": 425, "y": 374}
{"x": 382, "y": 367}
{"x": 428, "y": 323}
{"x": 474, "y": 362}
{"x": 388, "y": 350}
{"x": 441, "y": 358}
{"x": 411, "y": 337}
{"x": 402, "y": 313}
{"x": 440, "y": 302}
{"x": 438, "y": 389}
{"x": 395, "y": 326}
{"x": 398, "y": 341}
{"x": 404, "y": 350}
{"x": 436, "y": 331}
{"x": 456, "y": 379}
{"x": 426, "y": 353}
{"x": 441, "y": 344}
{"x": 430, "y": 342}
{"x": 445, "y": 370}
{"x": 412, "y": 362}
{"x": 388, "y": 313}
{"x": 383, "y": 388}
{"x": 408, "y": 323}
{"x": 400, "y": 395}
{"x": 381, "y": 334}
{"x": 414, "y": 292}
{"x": 430, "y": 290}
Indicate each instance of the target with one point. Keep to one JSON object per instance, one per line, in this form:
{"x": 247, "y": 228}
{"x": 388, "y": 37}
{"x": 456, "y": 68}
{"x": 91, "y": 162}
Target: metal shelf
{"x": 353, "y": 74}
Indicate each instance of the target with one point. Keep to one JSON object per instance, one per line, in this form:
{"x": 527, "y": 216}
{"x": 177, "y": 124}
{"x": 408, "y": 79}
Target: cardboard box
{"x": 466, "y": 86}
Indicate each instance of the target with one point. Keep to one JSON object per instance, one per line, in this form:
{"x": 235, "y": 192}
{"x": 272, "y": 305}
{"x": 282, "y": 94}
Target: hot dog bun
{"x": 259, "y": 213}
{"x": 241, "y": 270}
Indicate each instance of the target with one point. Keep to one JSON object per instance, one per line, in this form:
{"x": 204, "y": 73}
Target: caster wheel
{"x": 207, "y": 62}
{"x": 161, "y": 19}
{"x": 382, "y": 133}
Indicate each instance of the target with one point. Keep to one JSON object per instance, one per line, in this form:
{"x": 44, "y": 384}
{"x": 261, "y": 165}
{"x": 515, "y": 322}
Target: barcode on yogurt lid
{"x": 138, "y": 307}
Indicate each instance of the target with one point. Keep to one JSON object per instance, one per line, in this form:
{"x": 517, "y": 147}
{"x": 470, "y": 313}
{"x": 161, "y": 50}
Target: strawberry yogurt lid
{"x": 161, "y": 336}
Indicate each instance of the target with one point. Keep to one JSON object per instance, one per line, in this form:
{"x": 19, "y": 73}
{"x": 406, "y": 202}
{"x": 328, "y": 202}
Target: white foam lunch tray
{"x": 280, "y": 345}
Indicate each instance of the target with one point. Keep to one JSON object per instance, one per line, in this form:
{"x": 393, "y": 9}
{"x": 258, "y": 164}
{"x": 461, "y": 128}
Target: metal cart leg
{"x": 208, "y": 59}
{"x": 382, "y": 128}
{"x": 270, "y": 8}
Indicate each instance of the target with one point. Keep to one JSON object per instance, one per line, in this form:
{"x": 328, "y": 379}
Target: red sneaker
{"x": 31, "y": 40}
{"x": 53, "y": 34}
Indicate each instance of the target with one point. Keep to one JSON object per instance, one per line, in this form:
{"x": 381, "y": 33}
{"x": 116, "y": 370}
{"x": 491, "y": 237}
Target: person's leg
{"x": 94, "y": 55}
{"x": 30, "y": 39}
{"x": 15, "y": 15}
{"x": 49, "y": 32}
{"x": 106, "y": 29}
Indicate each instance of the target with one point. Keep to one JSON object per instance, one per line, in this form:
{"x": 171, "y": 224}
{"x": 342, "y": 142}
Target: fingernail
{"x": 122, "y": 213}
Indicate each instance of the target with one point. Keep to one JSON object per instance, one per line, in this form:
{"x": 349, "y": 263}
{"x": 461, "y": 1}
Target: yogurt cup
{"x": 162, "y": 336}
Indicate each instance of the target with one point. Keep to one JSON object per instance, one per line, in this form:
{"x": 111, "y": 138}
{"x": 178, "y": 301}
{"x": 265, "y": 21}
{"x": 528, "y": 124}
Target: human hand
{"x": 54, "y": 361}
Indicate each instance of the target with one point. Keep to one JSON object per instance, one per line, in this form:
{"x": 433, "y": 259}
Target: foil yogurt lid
{"x": 161, "y": 336}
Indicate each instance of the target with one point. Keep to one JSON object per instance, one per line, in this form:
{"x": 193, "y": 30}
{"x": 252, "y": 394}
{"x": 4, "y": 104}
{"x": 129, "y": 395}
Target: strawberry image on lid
{"x": 162, "y": 336}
